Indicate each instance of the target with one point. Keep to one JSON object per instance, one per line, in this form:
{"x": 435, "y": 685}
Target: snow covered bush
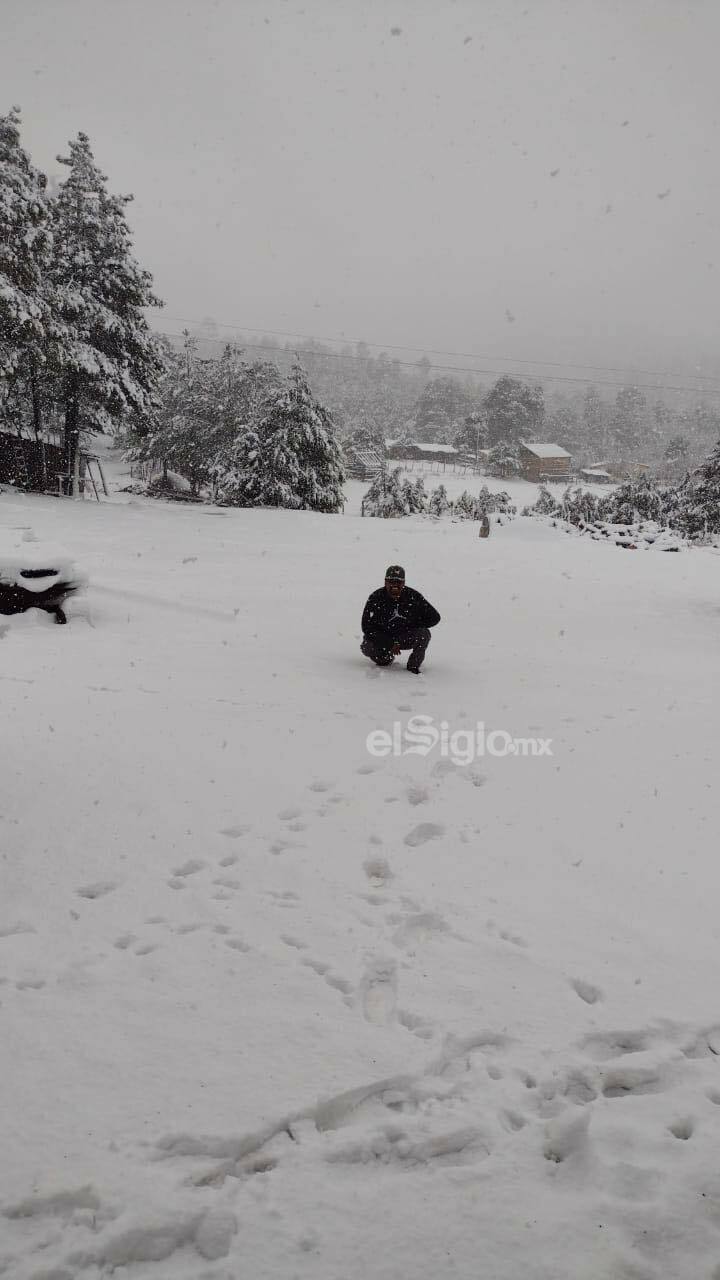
{"x": 386, "y": 497}
{"x": 466, "y": 507}
{"x": 546, "y": 504}
{"x": 415, "y": 496}
{"x": 696, "y": 502}
{"x": 636, "y": 500}
{"x": 439, "y": 504}
{"x": 579, "y": 507}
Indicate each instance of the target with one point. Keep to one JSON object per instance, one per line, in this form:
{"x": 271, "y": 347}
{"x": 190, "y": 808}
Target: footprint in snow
{"x": 97, "y": 890}
{"x": 417, "y": 795}
{"x": 30, "y": 984}
{"x": 9, "y": 930}
{"x": 145, "y": 948}
{"x": 228, "y": 882}
{"x": 515, "y": 938}
{"x": 286, "y": 815}
{"x": 177, "y": 882}
{"x": 233, "y": 833}
{"x": 378, "y": 992}
{"x": 237, "y": 944}
{"x": 124, "y": 941}
{"x": 377, "y": 870}
{"x": 320, "y": 786}
{"x": 423, "y": 832}
{"x": 189, "y": 868}
{"x": 586, "y": 990}
{"x": 291, "y": 941}
{"x": 229, "y": 860}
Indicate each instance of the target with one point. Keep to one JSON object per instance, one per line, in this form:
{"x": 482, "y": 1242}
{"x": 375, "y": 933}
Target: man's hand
{"x": 396, "y": 649}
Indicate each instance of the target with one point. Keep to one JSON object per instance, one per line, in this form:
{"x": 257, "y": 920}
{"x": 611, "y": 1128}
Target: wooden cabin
{"x": 543, "y": 462}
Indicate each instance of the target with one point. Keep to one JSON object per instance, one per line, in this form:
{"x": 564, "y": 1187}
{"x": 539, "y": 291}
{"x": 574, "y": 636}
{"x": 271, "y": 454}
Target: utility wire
{"x": 450, "y": 368}
{"x": 459, "y": 355}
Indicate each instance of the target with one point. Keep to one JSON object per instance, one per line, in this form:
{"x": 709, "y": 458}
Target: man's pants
{"x": 379, "y": 645}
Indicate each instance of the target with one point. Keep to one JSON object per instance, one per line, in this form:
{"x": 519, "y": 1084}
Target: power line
{"x": 450, "y": 368}
{"x": 459, "y": 355}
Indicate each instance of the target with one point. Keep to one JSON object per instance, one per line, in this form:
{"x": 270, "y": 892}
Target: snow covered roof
{"x": 596, "y": 471}
{"x": 545, "y": 450}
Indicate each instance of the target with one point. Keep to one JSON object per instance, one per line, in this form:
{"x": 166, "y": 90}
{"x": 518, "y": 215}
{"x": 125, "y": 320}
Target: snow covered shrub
{"x": 695, "y": 507}
{"x": 579, "y": 506}
{"x": 546, "y": 505}
{"x": 439, "y": 504}
{"x": 635, "y": 500}
{"x": 465, "y": 507}
{"x": 386, "y": 497}
{"x": 415, "y": 496}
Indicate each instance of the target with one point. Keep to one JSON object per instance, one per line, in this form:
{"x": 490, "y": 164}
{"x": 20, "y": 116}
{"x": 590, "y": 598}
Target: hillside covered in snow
{"x": 276, "y": 1006}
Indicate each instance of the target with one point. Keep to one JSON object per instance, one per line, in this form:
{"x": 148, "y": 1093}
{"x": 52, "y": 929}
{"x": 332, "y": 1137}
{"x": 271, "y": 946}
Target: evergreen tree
{"x": 290, "y": 458}
{"x": 629, "y": 424}
{"x": 633, "y": 501}
{"x": 698, "y": 499}
{"x": 27, "y": 322}
{"x": 385, "y": 498}
{"x": 677, "y": 450}
{"x": 441, "y": 409}
{"x": 415, "y": 496}
{"x": 504, "y": 460}
{"x": 465, "y": 507}
{"x": 546, "y": 505}
{"x": 514, "y": 411}
{"x": 439, "y": 504}
{"x": 112, "y": 361}
{"x": 594, "y": 422}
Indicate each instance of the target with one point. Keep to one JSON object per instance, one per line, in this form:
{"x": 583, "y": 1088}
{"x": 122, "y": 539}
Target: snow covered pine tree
{"x": 112, "y": 361}
{"x": 26, "y": 319}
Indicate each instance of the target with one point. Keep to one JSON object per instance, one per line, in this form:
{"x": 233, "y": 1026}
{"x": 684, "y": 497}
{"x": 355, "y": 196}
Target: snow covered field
{"x": 274, "y": 1007}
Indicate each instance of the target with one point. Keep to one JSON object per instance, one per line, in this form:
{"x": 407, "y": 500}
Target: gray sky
{"x": 530, "y": 179}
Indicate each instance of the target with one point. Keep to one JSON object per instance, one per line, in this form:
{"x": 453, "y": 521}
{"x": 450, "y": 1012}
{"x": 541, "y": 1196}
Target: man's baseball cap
{"x": 395, "y": 573}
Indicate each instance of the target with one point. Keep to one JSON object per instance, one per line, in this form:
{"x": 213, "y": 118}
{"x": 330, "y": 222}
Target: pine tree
{"x": 112, "y": 363}
{"x": 385, "y": 497}
{"x": 26, "y": 313}
{"x": 504, "y": 460}
{"x": 698, "y": 499}
{"x": 414, "y": 495}
{"x": 439, "y": 504}
{"x": 290, "y": 458}
{"x": 546, "y": 505}
{"x": 465, "y": 507}
{"x": 514, "y": 411}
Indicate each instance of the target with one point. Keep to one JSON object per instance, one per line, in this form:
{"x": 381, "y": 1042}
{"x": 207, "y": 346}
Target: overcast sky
{"x": 531, "y": 179}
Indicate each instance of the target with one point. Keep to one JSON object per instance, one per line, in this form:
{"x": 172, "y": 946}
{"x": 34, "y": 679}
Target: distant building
{"x": 362, "y": 462}
{"x": 595, "y": 475}
{"x": 540, "y": 462}
{"x": 425, "y": 450}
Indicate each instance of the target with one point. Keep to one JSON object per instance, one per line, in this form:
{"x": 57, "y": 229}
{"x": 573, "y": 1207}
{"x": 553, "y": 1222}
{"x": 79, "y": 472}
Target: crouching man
{"x": 397, "y": 617}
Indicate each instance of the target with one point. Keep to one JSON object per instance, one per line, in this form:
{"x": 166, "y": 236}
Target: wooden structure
{"x": 543, "y": 462}
{"x": 363, "y": 462}
{"x": 38, "y": 467}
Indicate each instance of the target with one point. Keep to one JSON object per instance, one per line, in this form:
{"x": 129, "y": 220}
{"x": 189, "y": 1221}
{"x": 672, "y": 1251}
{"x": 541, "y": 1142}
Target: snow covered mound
{"x": 33, "y": 564}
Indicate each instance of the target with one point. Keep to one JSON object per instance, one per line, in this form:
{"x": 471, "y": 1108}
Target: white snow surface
{"x": 272, "y": 1007}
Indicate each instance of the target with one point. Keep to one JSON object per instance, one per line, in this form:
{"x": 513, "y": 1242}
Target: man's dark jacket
{"x": 382, "y": 614}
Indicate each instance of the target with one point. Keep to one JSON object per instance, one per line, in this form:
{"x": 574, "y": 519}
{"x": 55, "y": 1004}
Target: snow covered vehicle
{"x": 36, "y": 575}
